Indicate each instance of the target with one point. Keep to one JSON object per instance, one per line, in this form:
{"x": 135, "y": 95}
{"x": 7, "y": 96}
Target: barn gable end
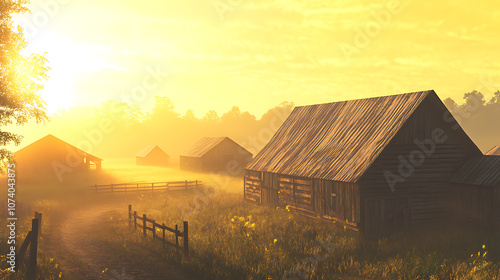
{"x": 216, "y": 154}
{"x": 52, "y": 157}
{"x": 152, "y": 155}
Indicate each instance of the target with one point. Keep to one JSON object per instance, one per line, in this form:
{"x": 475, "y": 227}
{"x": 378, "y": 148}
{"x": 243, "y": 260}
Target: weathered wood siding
{"x": 474, "y": 204}
{"x": 420, "y": 159}
{"x": 496, "y": 207}
{"x": 331, "y": 200}
{"x": 253, "y": 188}
{"x": 270, "y": 188}
{"x": 338, "y": 201}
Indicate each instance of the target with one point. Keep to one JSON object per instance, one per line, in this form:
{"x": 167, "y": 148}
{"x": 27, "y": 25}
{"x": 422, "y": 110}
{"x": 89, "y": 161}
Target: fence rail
{"x": 152, "y": 186}
{"x": 151, "y": 225}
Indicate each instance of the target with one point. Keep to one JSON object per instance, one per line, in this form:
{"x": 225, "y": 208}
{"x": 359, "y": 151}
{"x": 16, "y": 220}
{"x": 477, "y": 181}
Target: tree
{"x": 211, "y": 116}
{"x": 119, "y": 113}
{"x": 20, "y": 79}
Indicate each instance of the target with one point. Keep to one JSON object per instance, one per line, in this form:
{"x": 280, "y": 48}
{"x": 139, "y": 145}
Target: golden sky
{"x": 214, "y": 54}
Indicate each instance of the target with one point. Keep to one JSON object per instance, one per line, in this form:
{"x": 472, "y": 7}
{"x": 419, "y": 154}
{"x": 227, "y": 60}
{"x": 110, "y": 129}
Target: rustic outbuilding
{"x": 377, "y": 165}
{"x": 152, "y": 155}
{"x": 216, "y": 154}
{"x": 476, "y": 191}
{"x": 494, "y": 152}
{"x": 51, "y": 156}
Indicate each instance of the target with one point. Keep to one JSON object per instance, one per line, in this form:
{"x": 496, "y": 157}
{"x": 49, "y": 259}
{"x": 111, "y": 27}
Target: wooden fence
{"x": 147, "y": 224}
{"x": 154, "y": 186}
{"x": 31, "y": 240}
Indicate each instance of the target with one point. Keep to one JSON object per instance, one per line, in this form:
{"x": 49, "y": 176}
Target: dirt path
{"x": 88, "y": 257}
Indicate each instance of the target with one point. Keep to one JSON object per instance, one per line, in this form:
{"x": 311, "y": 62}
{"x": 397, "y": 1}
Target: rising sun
{"x": 67, "y": 61}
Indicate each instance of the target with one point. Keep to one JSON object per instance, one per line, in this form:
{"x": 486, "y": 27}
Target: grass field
{"x": 233, "y": 239}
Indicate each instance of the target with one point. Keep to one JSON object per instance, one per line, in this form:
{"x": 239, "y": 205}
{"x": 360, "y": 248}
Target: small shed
{"x": 377, "y": 165}
{"x": 494, "y": 152}
{"x": 216, "y": 154}
{"x": 51, "y": 156}
{"x": 152, "y": 155}
{"x": 476, "y": 191}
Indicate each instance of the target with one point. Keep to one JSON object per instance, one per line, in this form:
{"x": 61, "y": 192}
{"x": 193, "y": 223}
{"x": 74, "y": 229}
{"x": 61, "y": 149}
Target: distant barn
{"x": 152, "y": 155}
{"x": 216, "y": 154}
{"x": 476, "y": 191}
{"x": 494, "y": 152}
{"x": 51, "y": 156}
{"x": 377, "y": 165}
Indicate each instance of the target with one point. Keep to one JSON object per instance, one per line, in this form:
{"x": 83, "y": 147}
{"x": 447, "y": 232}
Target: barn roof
{"x": 482, "y": 171}
{"x": 52, "y": 139}
{"x": 336, "y": 141}
{"x": 144, "y": 152}
{"x": 494, "y": 152}
{"x": 206, "y": 144}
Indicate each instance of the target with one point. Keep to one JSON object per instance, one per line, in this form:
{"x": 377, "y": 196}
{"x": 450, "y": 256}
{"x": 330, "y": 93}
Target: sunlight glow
{"x": 67, "y": 60}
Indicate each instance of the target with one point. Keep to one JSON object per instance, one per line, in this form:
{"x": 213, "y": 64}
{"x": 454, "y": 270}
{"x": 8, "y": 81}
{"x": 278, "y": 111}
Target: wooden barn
{"x": 152, "y": 155}
{"x": 476, "y": 191}
{"x": 51, "y": 156}
{"x": 494, "y": 152}
{"x": 214, "y": 154}
{"x": 377, "y": 165}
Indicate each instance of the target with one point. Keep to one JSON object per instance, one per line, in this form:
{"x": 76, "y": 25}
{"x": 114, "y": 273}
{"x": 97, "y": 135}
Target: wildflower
{"x": 232, "y": 220}
{"x": 51, "y": 259}
{"x": 484, "y": 246}
{"x": 104, "y": 271}
{"x": 60, "y": 274}
{"x": 275, "y": 240}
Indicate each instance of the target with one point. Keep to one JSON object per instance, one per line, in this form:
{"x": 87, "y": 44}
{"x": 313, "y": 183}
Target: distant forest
{"x": 120, "y": 130}
{"x": 479, "y": 117}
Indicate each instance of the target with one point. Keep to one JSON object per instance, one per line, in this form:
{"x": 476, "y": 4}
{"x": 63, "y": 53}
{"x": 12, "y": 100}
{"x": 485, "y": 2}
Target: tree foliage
{"x": 20, "y": 78}
{"x": 480, "y": 118}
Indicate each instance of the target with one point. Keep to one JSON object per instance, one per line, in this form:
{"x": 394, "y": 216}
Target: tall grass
{"x": 233, "y": 239}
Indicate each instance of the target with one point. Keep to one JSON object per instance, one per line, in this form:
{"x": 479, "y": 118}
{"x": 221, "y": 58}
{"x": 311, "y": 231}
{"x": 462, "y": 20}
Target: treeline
{"x": 119, "y": 130}
{"x": 479, "y": 117}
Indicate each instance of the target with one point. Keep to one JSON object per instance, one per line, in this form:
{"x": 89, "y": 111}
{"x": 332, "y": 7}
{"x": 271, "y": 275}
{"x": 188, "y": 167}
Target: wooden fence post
{"x": 144, "y": 224}
{"x": 111, "y": 187}
{"x": 96, "y": 188}
{"x": 39, "y": 217}
{"x": 186, "y": 238}
{"x": 152, "y": 187}
{"x": 176, "y": 236}
{"x": 31, "y": 274}
{"x": 135, "y": 220}
{"x": 186, "y": 184}
{"x": 130, "y": 215}
{"x": 154, "y": 229}
{"x": 164, "y": 236}
{"x": 137, "y": 186}
{"x": 196, "y": 183}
